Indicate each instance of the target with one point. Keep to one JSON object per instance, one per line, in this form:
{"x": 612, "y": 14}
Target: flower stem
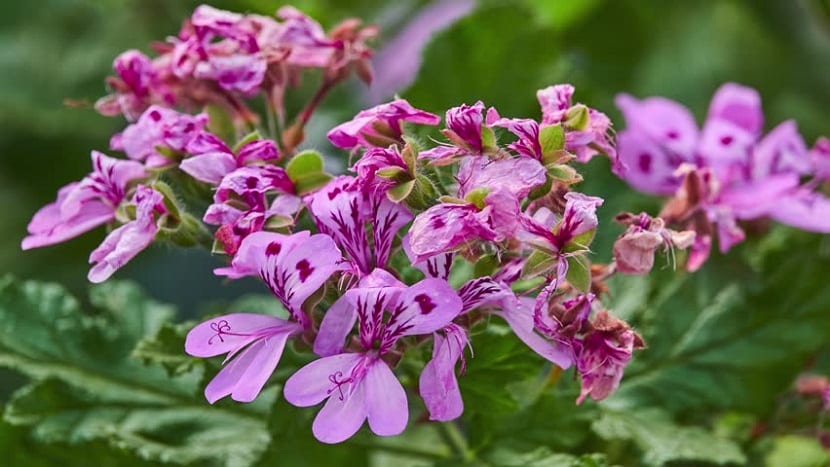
{"x": 456, "y": 441}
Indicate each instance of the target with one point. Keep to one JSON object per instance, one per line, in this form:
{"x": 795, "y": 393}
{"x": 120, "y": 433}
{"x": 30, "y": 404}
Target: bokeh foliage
{"x": 106, "y": 381}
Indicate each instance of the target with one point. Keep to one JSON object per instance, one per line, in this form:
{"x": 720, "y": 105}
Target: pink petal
{"x": 245, "y": 376}
{"x": 739, "y": 105}
{"x": 210, "y": 167}
{"x": 336, "y": 325}
{"x": 804, "y": 210}
{"x": 311, "y": 384}
{"x": 781, "y": 150}
{"x": 664, "y": 121}
{"x": 228, "y": 333}
{"x": 430, "y": 305}
{"x": 438, "y": 385}
{"x": 47, "y": 227}
{"x": 648, "y": 167}
{"x": 517, "y": 175}
{"x": 388, "y": 411}
{"x": 388, "y": 219}
{"x": 257, "y": 151}
{"x": 520, "y": 320}
{"x": 339, "y": 420}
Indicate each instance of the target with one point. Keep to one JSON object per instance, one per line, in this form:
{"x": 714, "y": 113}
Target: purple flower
{"x": 342, "y": 210}
{"x": 361, "y": 386}
{"x": 212, "y": 159}
{"x": 446, "y": 227}
{"x": 293, "y": 267}
{"x": 634, "y": 249}
{"x": 371, "y": 162}
{"x": 527, "y": 131}
{"x": 516, "y": 175}
{"x": 379, "y": 126}
{"x": 159, "y": 127}
{"x": 125, "y": 242}
{"x": 84, "y": 205}
{"x": 241, "y": 73}
{"x": 307, "y": 41}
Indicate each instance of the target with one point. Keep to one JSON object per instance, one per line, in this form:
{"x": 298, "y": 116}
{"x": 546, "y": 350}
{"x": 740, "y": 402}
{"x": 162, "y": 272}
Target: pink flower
{"x": 586, "y": 130}
{"x": 438, "y": 385}
{"x": 159, "y": 127}
{"x": 342, "y": 210}
{"x": 133, "y": 86}
{"x": 602, "y": 356}
{"x": 580, "y": 217}
{"x": 379, "y": 126}
{"x": 212, "y": 159}
{"x": 634, "y": 249}
{"x": 84, "y": 205}
{"x": 361, "y": 386}
{"x": 293, "y": 267}
{"x": 125, "y": 242}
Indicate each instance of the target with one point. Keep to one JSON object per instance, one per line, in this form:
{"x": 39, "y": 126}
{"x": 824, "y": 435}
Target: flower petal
{"x": 339, "y": 420}
{"x": 228, "y": 333}
{"x": 244, "y": 377}
{"x": 210, "y": 167}
{"x": 386, "y": 403}
{"x": 311, "y": 384}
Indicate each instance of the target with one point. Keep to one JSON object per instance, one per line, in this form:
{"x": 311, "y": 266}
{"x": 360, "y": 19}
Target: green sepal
{"x": 486, "y": 266}
{"x": 538, "y": 262}
{"x": 252, "y": 136}
{"x": 577, "y": 118}
{"x": 552, "y": 139}
{"x": 400, "y": 192}
{"x": 311, "y": 182}
{"x": 488, "y": 139}
{"x": 581, "y": 242}
{"x": 477, "y": 196}
{"x": 303, "y": 164}
{"x": 579, "y": 273}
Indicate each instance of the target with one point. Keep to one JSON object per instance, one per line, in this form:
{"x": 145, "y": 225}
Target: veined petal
{"x": 424, "y": 308}
{"x": 229, "y": 332}
{"x": 438, "y": 385}
{"x": 314, "y": 382}
{"x": 340, "y": 419}
{"x": 389, "y": 218}
{"x": 387, "y": 408}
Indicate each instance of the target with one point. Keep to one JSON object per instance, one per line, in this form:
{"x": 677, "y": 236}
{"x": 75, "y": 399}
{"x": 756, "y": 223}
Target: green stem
{"x": 456, "y": 441}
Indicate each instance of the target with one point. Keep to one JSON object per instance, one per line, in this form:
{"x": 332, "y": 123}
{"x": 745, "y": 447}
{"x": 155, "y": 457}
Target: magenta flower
{"x": 293, "y": 267}
{"x": 446, "y": 227}
{"x": 586, "y": 129}
{"x": 527, "y": 131}
{"x": 375, "y": 159}
{"x": 133, "y": 86}
{"x": 379, "y": 126}
{"x": 580, "y": 218}
{"x": 84, "y": 205}
{"x": 308, "y": 43}
{"x": 158, "y": 127}
{"x": 361, "y": 386}
{"x": 342, "y": 210}
{"x": 212, "y": 159}
{"x": 602, "y": 356}
{"x": 516, "y": 175}
{"x": 125, "y": 242}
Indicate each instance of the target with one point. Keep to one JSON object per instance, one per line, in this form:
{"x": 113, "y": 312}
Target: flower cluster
{"x": 726, "y": 173}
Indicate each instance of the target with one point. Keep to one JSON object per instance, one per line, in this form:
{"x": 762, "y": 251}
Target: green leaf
{"x": 797, "y": 451}
{"x": 579, "y": 272}
{"x": 552, "y": 138}
{"x": 89, "y": 389}
{"x": 543, "y": 457}
{"x": 661, "y": 441}
{"x": 311, "y": 182}
{"x": 538, "y": 262}
{"x": 59, "y": 412}
{"x": 220, "y": 123}
{"x": 304, "y": 164}
{"x": 165, "y": 348}
{"x": 728, "y": 336}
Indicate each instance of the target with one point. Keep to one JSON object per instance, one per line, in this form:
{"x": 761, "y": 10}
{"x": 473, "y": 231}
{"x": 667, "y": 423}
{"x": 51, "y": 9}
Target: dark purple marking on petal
{"x": 305, "y": 269}
{"x": 155, "y": 115}
{"x": 426, "y": 303}
{"x": 726, "y": 140}
{"x": 671, "y": 134}
{"x": 437, "y": 222}
{"x": 333, "y": 193}
{"x": 273, "y": 249}
{"x": 251, "y": 182}
{"x": 644, "y": 162}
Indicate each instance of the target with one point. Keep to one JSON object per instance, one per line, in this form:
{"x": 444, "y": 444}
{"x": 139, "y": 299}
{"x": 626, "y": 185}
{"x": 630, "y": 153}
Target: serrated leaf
{"x": 91, "y": 390}
{"x": 579, "y": 273}
{"x": 662, "y": 441}
{"x": 165, "y": 348}
{"x": 728, "y": 336}
{"x": 58, "y": 412}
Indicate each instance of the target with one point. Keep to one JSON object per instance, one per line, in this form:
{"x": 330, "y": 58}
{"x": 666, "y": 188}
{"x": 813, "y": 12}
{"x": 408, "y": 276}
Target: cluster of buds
{"x": 726, "y": 173}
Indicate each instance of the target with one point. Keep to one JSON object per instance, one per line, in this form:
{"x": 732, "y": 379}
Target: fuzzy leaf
{"x": 579, "y": 272}
{"x": 89, "y": 389}
{"x": 662, "y": 441}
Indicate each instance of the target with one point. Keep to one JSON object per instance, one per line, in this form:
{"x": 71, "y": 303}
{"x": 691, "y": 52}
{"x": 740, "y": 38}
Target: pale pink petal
{"x": 804, "y": 210}
{"x": 516, "y": 175}
{"x": 388, "y": 219}
{"x": 781, "y": 150}
{"x": 209, "y": 167}
{"x": 336, "y": 325}
{"x": 430, "y": 305}
{"x": 228, "y": 333}
{"x": 314, "y": 382}
{"x": 520, "y": 319}
{"x": 245, "y": 376}
{"x": 739, "y": 105}
{"x": 438, "y": 385}
{"x": 387, "y": 408}
{"x": 257, "y": 151}
{"x": 339, "y": 420}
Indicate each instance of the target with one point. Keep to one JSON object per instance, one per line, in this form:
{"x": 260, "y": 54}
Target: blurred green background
{"x": 502, "y": 52}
